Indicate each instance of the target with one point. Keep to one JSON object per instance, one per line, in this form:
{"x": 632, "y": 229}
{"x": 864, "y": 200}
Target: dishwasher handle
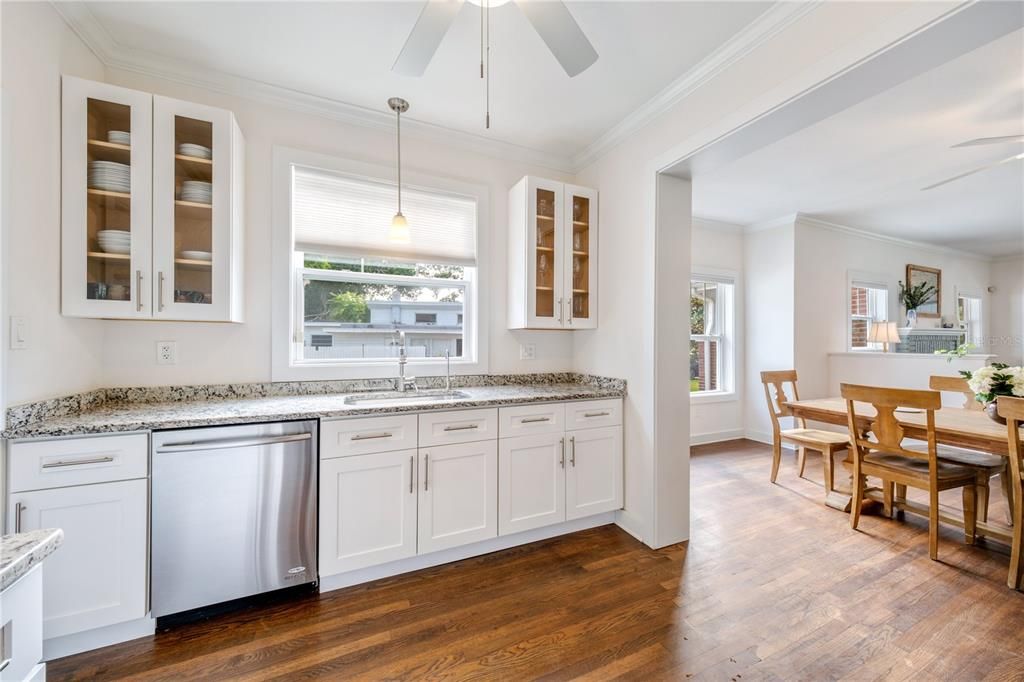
{"x": 196, "y": 446}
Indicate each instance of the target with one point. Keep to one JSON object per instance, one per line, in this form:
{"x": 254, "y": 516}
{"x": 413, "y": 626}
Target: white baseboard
{"x": 365, "y": 575}
{"x": 766, "y": 438}
{"x": 59, "y": 647}
{"x": 716, "y": 436}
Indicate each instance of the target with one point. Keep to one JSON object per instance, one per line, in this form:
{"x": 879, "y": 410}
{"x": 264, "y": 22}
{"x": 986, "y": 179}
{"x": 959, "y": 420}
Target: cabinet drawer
{"x": 525, "y": 420}
{"x": 37, "y": 465}
{"x": 463, "y": 426}
{"x": 593, "y": 414}
{"x": 366, "y": 435}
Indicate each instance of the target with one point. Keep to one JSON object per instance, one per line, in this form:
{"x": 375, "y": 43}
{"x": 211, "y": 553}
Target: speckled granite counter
{"x": 19, "y": 553}
{"x": 126, "y": 415}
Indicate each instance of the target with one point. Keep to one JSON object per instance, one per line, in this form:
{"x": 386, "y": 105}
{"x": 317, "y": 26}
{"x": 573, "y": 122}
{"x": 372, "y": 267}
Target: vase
{"x": 912, "y": 318}
{"x": 990, "y": 410}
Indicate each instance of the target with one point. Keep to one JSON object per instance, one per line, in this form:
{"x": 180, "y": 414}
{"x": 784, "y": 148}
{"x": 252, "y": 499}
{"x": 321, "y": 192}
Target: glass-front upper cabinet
{"x": 196, "y": 210}
{"x": 552, "y": 255}
{"x": 105, "y": 200}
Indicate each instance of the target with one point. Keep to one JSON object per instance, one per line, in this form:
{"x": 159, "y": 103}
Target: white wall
{"x": 719, "y": 246}
{"x": 1006, "y": 328}
{"x": 64, "y": 354}
{"x": 897, "y": 370}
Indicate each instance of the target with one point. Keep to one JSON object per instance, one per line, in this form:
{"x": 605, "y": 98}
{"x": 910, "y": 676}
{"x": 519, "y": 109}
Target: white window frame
{"x": 728, "y": 339}
{"x": 978, "y": 336}
{"x": 287, "y": 273}
{"x": 872, "y": 281}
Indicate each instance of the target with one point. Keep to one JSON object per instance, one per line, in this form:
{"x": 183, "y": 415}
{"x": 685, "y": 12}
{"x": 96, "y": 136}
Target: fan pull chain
{"x": 481, "y": 42}
{"x": 487, "y": 80}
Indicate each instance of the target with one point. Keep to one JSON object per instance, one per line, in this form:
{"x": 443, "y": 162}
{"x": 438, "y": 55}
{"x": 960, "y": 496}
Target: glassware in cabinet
{"x": 546, "y": 254}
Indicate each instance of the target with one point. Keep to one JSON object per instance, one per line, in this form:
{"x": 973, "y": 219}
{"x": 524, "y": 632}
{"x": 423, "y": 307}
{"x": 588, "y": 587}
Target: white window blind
{"x": 342, "y": 215}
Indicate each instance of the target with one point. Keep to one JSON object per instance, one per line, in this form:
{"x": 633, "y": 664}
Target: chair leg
{"x": 858, "y": 499}
{"x": 1005, "y": 480}
{"x": 900, "y": 496}
{"x": 776, "y": 458}
{"x": 983, "y": 495}
{"x": 801, "y": 455}
{"x": 1014, "y": 579}
{"x": 970, "y": 513}
{"x": 887, "y": 493}
{"x": 933, "y": 523}
{"x": 829, "y": 470}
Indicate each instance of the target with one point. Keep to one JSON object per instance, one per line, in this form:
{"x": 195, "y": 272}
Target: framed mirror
{"x": 916, "y": 274}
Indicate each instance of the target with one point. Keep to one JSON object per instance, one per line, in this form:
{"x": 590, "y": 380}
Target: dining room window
{"x": 968, "y": 310}
{"x": 869, "y": 304}
{"x": 711, "y": 331}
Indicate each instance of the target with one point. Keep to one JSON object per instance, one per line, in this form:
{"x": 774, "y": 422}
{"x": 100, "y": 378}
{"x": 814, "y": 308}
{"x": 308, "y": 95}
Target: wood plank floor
{"x": 771, "y": 586}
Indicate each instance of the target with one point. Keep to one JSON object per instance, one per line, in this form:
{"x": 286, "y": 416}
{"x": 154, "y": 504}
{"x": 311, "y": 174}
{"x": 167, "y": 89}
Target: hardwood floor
{"x": 772, "y": 586}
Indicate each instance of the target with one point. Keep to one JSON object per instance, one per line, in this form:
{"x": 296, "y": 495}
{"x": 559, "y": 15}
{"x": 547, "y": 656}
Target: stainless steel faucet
{"x": 448, "y": 371}
{"x": 403, "y": 383}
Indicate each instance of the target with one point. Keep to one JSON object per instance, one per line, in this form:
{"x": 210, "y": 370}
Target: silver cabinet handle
{"x": 596, "y": 414}
{"x": 371, "y": 436}
{"x": 76, "y": 462}
{"x": 18, "y": 508}
{"x": 426, "y": 471}
{"x": 468, "y": 427}
{"x": 572, "y": 450}
{"x": 412, "y": 473}
{"x": 138, "y": 290}
{"x": 534, "y": 420}
{"x": 561, "y": 460}
{"x": 559, "y": 311}
{"x": 160, "y": 291}
{"x": 225, "y": 443}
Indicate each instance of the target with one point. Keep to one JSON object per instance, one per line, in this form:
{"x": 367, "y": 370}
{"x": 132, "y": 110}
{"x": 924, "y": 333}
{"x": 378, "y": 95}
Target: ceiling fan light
{"x": 398, "y": 233}
{"x": 492, "y": 3}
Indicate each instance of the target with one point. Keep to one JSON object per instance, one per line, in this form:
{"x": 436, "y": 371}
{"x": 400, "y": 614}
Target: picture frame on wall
{"x": 916, "y": 274}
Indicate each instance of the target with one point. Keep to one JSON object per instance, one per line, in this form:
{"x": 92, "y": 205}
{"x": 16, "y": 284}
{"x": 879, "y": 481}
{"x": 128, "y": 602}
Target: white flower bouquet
{"x": 992, "y": 381}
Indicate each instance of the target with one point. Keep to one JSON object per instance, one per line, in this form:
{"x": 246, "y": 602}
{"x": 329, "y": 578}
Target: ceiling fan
{"x": 551, "y": 19}
{"x": 1004, "y": 139}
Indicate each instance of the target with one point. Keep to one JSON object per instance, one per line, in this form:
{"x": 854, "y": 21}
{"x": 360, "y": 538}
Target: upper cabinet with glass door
{"x": 152, "y": 206}
{"x": 552, "y": 255}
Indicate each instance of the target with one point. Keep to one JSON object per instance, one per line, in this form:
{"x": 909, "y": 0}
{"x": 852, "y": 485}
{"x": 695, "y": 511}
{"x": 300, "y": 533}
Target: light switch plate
{"x": 527, "y": 351}
{"x": 166, "y": 353}
{"x": 19, "y": 332}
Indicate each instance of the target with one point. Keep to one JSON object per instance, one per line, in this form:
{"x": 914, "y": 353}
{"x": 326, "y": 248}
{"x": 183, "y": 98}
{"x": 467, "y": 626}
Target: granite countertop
{"x": 150, "y": 416}
{"x": 20, "y": 552}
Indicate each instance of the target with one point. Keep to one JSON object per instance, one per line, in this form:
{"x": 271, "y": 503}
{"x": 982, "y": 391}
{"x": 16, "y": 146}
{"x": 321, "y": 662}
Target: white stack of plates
{"x": 197, "y": 255}
{"x": 196, "y": 150}
{"x": 110, "y": 176}
{"x": 119, "y": 137}
{"x": 115, "y": 241}
{"x": 197, "y": 190}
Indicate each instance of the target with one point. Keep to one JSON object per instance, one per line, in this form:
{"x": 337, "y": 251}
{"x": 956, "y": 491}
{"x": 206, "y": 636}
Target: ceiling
{"x": 865, "y": 166}
{"x": 343, "y": 51}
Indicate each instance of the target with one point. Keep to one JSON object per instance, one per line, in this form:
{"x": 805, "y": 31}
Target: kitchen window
{"x": 355, "y": 296}
{"x": 712, "y": 324}
{"x": 869, "y": 303}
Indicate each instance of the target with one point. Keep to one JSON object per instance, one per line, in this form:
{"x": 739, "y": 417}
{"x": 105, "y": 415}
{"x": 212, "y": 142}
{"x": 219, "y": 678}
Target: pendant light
{"x": 399, "y": 232}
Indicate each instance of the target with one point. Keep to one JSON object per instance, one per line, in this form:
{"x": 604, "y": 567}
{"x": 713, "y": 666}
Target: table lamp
{"x": 884, "y": 333}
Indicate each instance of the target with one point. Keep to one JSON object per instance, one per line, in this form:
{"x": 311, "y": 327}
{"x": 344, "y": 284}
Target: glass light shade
{"x": 399, "y": 232}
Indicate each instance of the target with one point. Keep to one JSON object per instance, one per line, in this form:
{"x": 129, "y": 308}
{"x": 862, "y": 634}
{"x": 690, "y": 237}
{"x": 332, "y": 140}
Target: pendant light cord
{"x": 487, "y": 81}
{"x": 398, "y": 128}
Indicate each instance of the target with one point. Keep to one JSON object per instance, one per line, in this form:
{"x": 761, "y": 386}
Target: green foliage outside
{"x": 347, "y": 306}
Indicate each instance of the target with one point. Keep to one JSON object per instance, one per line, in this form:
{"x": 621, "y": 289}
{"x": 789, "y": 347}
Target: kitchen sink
{"x": 395, "y": 398}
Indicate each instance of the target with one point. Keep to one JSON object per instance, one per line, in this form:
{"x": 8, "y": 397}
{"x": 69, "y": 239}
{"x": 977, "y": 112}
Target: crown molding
{"x": 781, "y": 221}
{"x": 762, "y": 29}
{"x": 83, "y": 22}
{"x": 717, "y": 225}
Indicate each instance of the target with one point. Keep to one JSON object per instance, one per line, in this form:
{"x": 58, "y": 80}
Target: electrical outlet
{"x": 527, "y": 351}
{"x": 166, "y": 352}
{"x": 19, "y": 332}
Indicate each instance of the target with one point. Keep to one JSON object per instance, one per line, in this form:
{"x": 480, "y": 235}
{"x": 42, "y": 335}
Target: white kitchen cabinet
{"x": 133, "y": 247}
{"x": 593, "y": 482}
{"x": 367, "y": 510}
{"x": 458, "y": 495}
{"x": 553, "y": 239}
{"x": 98, "y": 577}
{"x": 531, "y": 482}
{"x": 21, "y": 628}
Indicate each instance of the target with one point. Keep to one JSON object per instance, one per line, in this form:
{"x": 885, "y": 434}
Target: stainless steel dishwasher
{"x": 234, "y": 513}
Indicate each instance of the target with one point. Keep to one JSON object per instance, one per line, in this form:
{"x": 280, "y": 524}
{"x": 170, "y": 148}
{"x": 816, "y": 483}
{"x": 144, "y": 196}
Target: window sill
{"x": 330, "y": 371}
{"x": 713, "y": 397}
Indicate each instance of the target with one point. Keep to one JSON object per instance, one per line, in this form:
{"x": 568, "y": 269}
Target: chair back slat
{"x": 1012, "y": 410}
{"x": 956, "y": 385}
{"x": 885, "y": 426}
{"x": 775, "y": 391}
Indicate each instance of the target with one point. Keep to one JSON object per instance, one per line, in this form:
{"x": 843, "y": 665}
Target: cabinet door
{"x": 98, "y": 576}
{"x": 546, "y": 266}
{"x": 106, "y": 217}
{"x": 531, "y": 480}
{"x": 458, "y": 497}
{"x": 193, "y": 211}
{"x": 367, "y": 510}
{"x": 594, "y": 474}
{"x": 581, "y": 257}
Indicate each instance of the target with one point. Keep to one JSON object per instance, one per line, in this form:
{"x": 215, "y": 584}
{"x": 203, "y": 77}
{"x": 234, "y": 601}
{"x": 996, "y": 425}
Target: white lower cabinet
{"x": 367, "y": 510}
{"x": 458, "y": 495}
{"x": 531, "y": 482}
{"x": 593, "y": 482}
{"x": 21, "y": 628}
{"x": 98, "y": 577}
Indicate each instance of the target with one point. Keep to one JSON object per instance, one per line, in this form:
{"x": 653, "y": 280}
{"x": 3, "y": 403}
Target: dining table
{"x": 954, "y": 426}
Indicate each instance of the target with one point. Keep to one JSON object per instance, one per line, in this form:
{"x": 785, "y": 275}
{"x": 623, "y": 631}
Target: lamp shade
{"x": 884, "y": 332}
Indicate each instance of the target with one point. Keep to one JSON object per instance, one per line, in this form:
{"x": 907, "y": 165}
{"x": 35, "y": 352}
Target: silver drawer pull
{"x": 76, "y": 462}
{"x": 228, "y": 443}
{"x": 534, "y": 420}
{"x": 596, "y": 414}
{"x": 468, "y": 427}
{"x": 371, "y": 436}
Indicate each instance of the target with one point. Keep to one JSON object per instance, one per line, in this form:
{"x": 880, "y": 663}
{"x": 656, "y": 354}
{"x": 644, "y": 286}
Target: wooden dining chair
{"x": 987, "y": 465}
{"x": 828, "y": 443}
{"x": 878, "y": 451}
{"x": 1012, "y": 410}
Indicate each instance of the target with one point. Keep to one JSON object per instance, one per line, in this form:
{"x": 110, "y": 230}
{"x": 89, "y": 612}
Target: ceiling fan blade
{"x": 561, "y": 34}
{"x": 435, "y": 19}
{"x": 990, "y": 140}
{"x": 1015, "y": 157}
